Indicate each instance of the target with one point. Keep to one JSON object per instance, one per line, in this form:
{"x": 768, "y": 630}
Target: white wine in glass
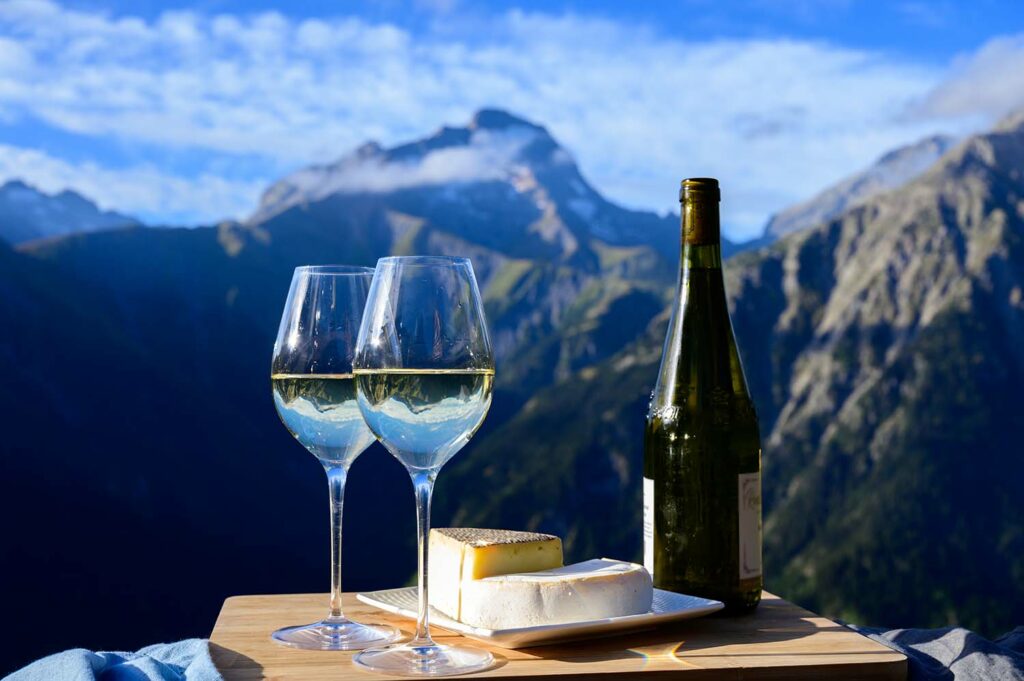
{"x": 424, "y": 371}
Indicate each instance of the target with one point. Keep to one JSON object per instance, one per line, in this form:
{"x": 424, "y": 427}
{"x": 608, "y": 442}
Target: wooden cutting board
{"x": 779, "y": 641}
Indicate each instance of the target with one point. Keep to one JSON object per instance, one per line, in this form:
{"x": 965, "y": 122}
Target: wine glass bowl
{"x": 424, "y": 374}
{"x": 315, "y": 396}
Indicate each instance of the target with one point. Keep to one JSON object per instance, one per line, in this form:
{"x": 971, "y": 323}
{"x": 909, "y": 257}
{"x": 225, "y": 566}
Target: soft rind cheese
{"x": 461, "y": 554}
{"x": 592, "y": 590}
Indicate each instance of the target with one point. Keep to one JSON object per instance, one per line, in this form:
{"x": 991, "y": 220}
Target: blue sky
{"x": 183, "y": 112}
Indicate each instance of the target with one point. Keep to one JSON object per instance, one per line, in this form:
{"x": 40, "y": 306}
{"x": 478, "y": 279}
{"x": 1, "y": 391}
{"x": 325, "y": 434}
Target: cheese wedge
{"x": 461, "y": 554}
{"x": 592, "y": 590}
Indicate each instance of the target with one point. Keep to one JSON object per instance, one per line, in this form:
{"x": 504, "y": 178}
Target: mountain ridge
{"x": 27, "y": 214}
{"x": 892, "y": 170}
{"x": 498, "y": 159}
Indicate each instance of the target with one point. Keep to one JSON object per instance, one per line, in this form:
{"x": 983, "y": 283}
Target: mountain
{"x": 892, "y": 170}
{"x": 27, "y": 214}
{"x": 499, "y": 166}
{"x": 142, "y": 355}
{"x": 884, "y": 352}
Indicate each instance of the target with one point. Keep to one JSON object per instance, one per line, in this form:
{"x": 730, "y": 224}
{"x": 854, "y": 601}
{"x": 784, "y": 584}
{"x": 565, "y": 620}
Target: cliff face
{"x": 887, "y": 393}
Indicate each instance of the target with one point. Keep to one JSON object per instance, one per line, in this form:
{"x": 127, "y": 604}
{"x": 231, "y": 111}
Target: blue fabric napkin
{"x": 955, "y": 654}
{"x": 187, "y": 660}
{"x": 952, "y": 654}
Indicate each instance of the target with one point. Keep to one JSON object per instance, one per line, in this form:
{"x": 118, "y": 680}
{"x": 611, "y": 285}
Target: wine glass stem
{"x": 336, "y": 479}
{"x": 423, "y": 481}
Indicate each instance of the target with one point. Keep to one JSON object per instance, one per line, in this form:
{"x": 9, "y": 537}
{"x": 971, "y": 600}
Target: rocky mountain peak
{"x": 917, "y": 153}
{"x": 498, "y": 119}
{"x": 368, "y": 150}
{"x": 892, "y": 170}
{"x": 499, "y": 168}
{"x": 493, "y": 146}
{"x": 16, "y": 185}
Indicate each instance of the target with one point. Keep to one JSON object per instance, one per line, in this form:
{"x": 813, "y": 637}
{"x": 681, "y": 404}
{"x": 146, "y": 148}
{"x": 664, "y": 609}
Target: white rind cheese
{"x": 462, "y": 554}
{"x": 592, "y": 590}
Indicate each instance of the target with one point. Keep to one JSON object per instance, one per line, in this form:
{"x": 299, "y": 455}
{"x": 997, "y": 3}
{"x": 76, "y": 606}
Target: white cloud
{"x": 775, "y": 119}
{"x": 142, "y": 191}
{"x": 985, "y": 84}
{"x": 488, "y": 156}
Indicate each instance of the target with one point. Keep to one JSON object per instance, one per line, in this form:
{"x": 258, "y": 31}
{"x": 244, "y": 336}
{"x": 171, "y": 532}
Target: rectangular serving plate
{"x": 667, "y": 607}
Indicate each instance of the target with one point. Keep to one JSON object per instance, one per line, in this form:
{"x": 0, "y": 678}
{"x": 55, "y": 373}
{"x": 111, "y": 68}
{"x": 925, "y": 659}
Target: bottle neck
{"x": 699, "y": 347}
{"x": 706, "y": 256}
{"x": 701, "y": 228}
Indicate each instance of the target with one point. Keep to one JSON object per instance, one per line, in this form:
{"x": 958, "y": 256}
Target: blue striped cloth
{"x": 187, "y": 660}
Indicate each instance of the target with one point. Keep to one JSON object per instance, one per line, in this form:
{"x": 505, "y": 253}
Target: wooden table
{"x": 780, "y": 641}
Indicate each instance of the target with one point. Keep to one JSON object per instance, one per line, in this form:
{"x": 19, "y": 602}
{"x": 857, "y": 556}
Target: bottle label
{"x": 750, "y": 524}
{"x": 649, "y": 525}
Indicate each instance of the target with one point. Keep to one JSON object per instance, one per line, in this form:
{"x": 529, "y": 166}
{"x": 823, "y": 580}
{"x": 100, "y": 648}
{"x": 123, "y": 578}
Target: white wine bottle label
{"x": 750, "y": 524}
{"x": 649, "y": 525}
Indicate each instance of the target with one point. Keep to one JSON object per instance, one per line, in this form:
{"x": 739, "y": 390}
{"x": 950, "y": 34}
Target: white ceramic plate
{"x": 667, "y": 607}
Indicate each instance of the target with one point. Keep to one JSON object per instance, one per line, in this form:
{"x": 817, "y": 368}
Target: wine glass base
{"x": 341, "y": 635}
{"x": 414, "y": 659}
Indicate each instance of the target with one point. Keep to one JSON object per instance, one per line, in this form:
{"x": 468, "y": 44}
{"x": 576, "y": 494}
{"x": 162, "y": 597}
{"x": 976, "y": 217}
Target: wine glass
{"x": 424, "y": 370}
{"x": 315, "y": 396}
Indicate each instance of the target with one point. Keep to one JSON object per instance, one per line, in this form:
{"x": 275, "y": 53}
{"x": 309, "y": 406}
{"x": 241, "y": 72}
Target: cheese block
{"x": 460, "y": 554}
{"x": 592, "y": 590}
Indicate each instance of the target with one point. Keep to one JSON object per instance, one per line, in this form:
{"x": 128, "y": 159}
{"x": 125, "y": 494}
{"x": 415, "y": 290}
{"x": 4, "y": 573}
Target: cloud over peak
{"x": 985, "y": 84}
{"x": 494, "y": 146}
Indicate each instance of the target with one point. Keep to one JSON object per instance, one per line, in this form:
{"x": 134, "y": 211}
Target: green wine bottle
{"x": 702, "y": 448}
